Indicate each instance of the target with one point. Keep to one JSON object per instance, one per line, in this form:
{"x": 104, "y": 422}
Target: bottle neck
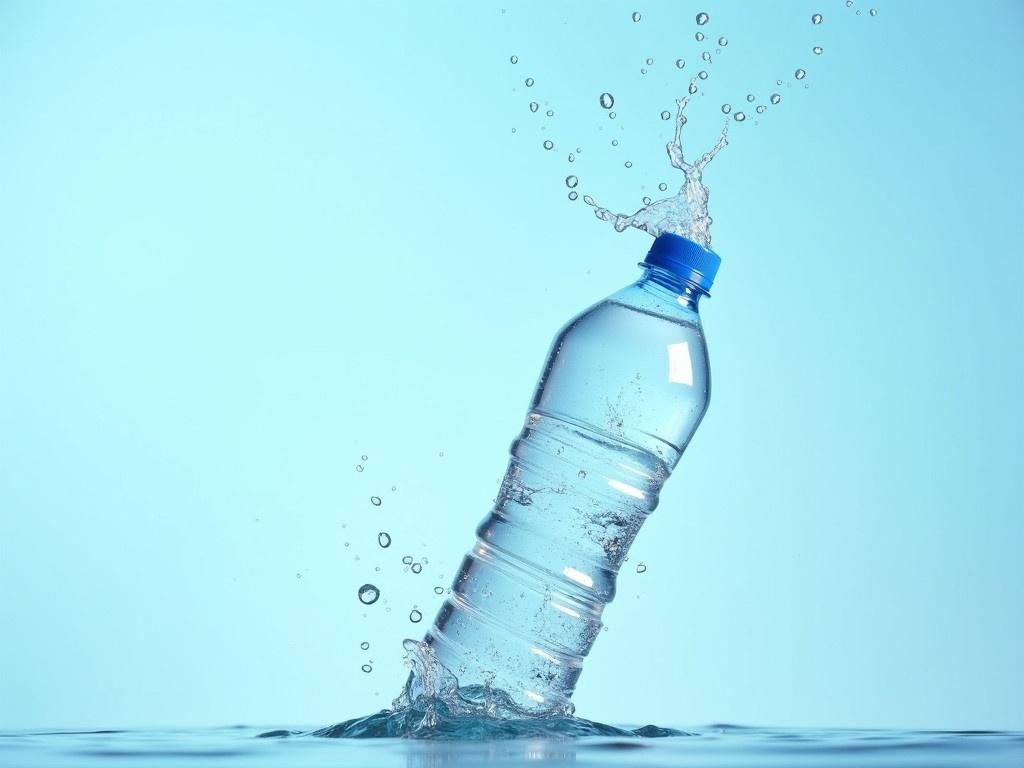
{"x": 684, "y": 292}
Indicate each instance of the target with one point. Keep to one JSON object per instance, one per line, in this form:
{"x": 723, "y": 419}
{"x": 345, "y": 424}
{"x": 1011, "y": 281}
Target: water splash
{"x": 684, "y": 213}
{"x": 433, "y": 706}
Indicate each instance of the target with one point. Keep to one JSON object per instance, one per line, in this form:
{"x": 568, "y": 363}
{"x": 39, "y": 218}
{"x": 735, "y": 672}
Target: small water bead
{"x": 298, "y": 575}
{"x": 641, "y": 568}
{"x": 818, "y": 50}
{"x": 529, "y": 82}
{"x": 636, "y": 16}
{"x": 761, "y": 109}
{"x": 726, "y": 108}
{"x": 615, "y": 142}
{"x": 680, "y": 63}
{"x": 723, "y": 41}
{"x": 663, "y": 186}
{"x": 778, "y": 82}
{"x": 611, "y": 115}
{"x": 364, "y": 457}
{"x": 367, "y": 668}
{"x": 628, "y": 164}
{"x": 415, "y": 616}
{"x": 407, "y": 560}
{"x": 666, "y": 115}
{"x": 849, "y": 3}
{"x": 702, "y": 18}
{"x": 706, "y": 56}
{"x": 703, "y": 75}
{"x": 571, "y": 181}
{"x": 800, "y": 74}
{"x": 816, "y": 18}
{"x": 384, "y": 539}
{"x": 438, "y": 590}
{"x": 692, "y": 89}
{"x": 571, "y": 158}
{"x": 368, "y": 594}
{"x": 647, "y": 201}
{"x": 873, "y": 11}
{"x": 549, "y": 144}
{"x": 364, "y": 645}
{"x": 514, "y": 59}
{"x": 534, "y": 106}
{"x": 417, "y": 568}
{"x": 739, "y": 117}
{"x": 643, "y": 71}
{"x": 589, "y": 200}
{"x": 550, "y": 113}
{"x": 776, "y": 98}
{"x": 607, "y": 100}
{"x": 649, "y": 62}
{"x": 750, "y": 97}
{"x": 375, "y": 500}
{"x": 359, "y": 467}
{"x": 582, "y": 474}
{"x": 699, "y": 37}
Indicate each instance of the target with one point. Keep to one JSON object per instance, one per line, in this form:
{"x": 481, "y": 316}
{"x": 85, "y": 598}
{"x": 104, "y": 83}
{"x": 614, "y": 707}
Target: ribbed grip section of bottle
{"x": 526, "y": 606}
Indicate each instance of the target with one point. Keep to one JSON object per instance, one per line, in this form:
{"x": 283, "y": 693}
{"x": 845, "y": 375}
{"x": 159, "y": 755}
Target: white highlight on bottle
{"x": 578, "y": 576}
{"x": 629, "y": 490}
{"x": 680, "y": 366}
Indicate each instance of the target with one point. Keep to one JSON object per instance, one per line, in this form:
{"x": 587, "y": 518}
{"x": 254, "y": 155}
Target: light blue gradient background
{"x": 242, "y": 244}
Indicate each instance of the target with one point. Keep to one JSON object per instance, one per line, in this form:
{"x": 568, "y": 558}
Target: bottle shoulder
{"x": 657, "y": 301}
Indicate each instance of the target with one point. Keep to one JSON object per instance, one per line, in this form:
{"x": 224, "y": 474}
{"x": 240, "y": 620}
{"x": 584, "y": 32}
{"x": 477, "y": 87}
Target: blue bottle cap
{"x": 684, "y": 258}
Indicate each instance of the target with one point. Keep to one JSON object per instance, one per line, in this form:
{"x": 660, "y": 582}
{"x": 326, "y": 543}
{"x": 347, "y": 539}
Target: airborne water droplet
{"x": 407, "y": 560}
{"x": 438, "y": 590}
{"x": 849, "y": 3}
{"x": 703, "y": 75}
{"x": 816, "y": 18}
{"x": 415, "y": 616}
{"x": 607, "y": 100}
{"x": 723, "y": 41}
{"x": 726, "y": 108}
{"x": 417, "y": 567}
{"x": 761, "y": 109}
{"x": 636, "y": 16}
{"x": 647, "y": 201}
{"x": 514, "y": 59}
{"x": 692, "y": 89}
{"x": 571, "y": 181}
{"x": 680, "y": 63}
{"x": 529, "y": 82}
{"x": 649, "y": 62}
{"x": 818, "y": 50}
{"x": 534, "y": 106}
{"x": 611, "y": 115}
{"x": 739, "y": 117}
{"x": 776, "y": 98}
{"x": 364, "y": 645}
{"x": 800, "y": 74}
{"x": 375, "y": 500}
{"x": 702, "y": 18}
{"x": 359, "y": 467}
{"x": 666, "y": 115}
{"x": 663, "y": 186}
{"x": 549, "y": 144}
{"x": 641, "y": 568}
{"x": 573, "y": 195}
{"x": 750, "y": 97}
{"x": 699, "y": 37}
{"x": 368, "y": 594}
{"x": 706, "y": 56}
{"x": 550, "y": 113}
{"x": 384, "y": 539}
{"x": 367, "y": 668}
{"x": 629, "y": 164}
{"x": 873, "y": 11}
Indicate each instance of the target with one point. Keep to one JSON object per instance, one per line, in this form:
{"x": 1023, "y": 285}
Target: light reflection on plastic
{"x": 629, "y": 490}
{"x": 578, "y": 576}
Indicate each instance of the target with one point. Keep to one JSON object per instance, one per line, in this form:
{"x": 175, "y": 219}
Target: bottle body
{"x": 624, "y": 388}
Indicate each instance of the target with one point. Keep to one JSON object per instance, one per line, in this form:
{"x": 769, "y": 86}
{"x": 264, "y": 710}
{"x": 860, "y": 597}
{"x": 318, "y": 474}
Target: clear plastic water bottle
{"x": 625, "y": 385}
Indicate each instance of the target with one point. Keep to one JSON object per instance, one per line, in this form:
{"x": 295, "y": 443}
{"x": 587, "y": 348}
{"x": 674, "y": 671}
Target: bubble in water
{"x": 649, "y": 62}
{"x": 706, "y": 56}
{"x": 800, "y": 74}
{"x": 663, "y": 186}
{"x": 534, "y": 106}
{"x": 417, "y": 567}
{"x": 514, "y": 59}
{"x": 384, "y": 539}
{"x": 573, "y": 195}
{"x": 438, "y": 590}
{"x": 571, "y": 181}
{"x": 407, "y": 560}
{"x": 726, "y": 108}
{"x": 641, "y": 568}
{"x": 607, "y": 100}
{"x": 647, "y": 201}
{"x": 364, "y": 645}
{"x": 665, "y": 115}
{"x": 723, "y": 41}
{"x": 415, "y": 616}
{"x": 636, "y": 16}
{"x": 549, "y": 144}
{"x": 873, "y": 11}
{"x": 680, "y": 63}
{"x": 739, "y": 117}
{"x": 615, "y": 142}
{"x": 776, "y": 98}
{"x": 761, "y": 109}
{"x": 529, "y": 82}
{"x": 703, "y": 18}
{"x": 368, "y": 594}
{"x": 699, "y": 37}
{"x": 816, "y": 18}
{"x": 629, "y": 164}
{"x": 375, "y": 500}
{"x": 367, "y": 668}
{"x": 703, "y": 75}
{"x": 818, "y": 50}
